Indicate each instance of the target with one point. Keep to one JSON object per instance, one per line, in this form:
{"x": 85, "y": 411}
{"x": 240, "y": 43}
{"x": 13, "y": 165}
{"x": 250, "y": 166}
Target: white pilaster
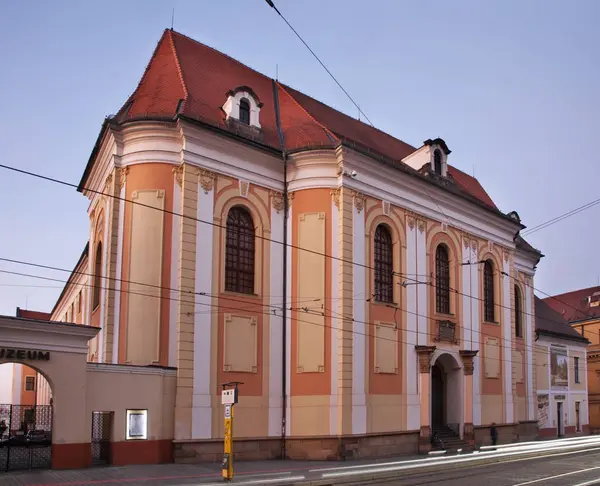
{"x": 422, "y": 288}
{"x": 276, "y": 325}
{"x": 507, "y": 341}
{"x": 475, "y": 332}
{"x": 174, "y": 280}
{"x": 335, "y": 321}
{"x": 119, "y": 273}
{"x": 17, "y": 383}
{"x": 529, "y": 347}
{"x": 201, "y": 399}
{"x": 359, "y": 404}
{"x": 288, "y": 328}
{"x": 468, "y": 339}
{"x": 412, "y": 338}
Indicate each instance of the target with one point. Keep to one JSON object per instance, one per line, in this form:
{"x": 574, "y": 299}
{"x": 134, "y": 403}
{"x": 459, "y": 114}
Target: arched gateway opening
{"x": 447, "y": 396}
{"x": 25, "y": 418}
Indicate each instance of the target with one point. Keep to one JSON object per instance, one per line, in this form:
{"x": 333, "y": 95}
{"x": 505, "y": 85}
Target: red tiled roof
{"x": 575, "y": 305}
{"x": 191, "y": 79}
{"x": 547, "y": 320}
{"x": 29, "y": 314}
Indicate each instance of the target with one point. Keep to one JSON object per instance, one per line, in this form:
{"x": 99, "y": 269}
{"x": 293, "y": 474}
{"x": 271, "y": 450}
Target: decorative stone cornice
{"x": 424, "y": 353}
{"x": 178, "y": 173}
{"x": 414, "y": 219}
{"x": 359, "y": 200}
{"x": 467, "y": 358}
{"x": 276, "y": 200}
{"x": 207, "y": 179}
{"x": 335, "y": 194}
{"x": 122, "y": 173}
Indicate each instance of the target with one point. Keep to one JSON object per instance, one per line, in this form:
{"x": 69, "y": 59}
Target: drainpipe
{"x": 284, "y": 396}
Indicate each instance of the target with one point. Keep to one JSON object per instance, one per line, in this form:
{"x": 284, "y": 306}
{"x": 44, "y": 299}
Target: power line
{"x": 558, "y": 219}
{"x": 273, "y": 307}
{"x": 272, "y": 5}
{"x": 264, "y": 238}
{"x": 217, "y": 307}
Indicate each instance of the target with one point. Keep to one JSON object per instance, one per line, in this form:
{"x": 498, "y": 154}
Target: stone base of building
{"x": 302, "y": 448}
{"x": 507, "y": 433}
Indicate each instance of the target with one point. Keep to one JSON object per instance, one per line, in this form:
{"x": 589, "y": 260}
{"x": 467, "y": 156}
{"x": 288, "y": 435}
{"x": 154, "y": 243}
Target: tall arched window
{"x": 488, "y": 291}
{"x": 442, "y": 280}
{"x": 518, "y": 312}
{"x": 437, "y": 162}
{"x": 245, "y": 111}
{"x": 97, "y": 276}
{"x": 384, "y": 265}
{"x": 239, "y": 252}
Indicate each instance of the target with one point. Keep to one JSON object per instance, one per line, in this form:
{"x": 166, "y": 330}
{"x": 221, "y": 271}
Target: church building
{"x": 364, "y": 291}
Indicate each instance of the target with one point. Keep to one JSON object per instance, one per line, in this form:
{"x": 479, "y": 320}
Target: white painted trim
{"x": 201, "y": 398}
{"x": 507, "y": 343}
{"x": 529, "y": 346}
{"x": 288, "y": 327}
{"x": 119, "y": 273}
{"x": 275, "y": 327}
{"x": 104, "y": 281}
{"x": 335, "y": 321}
{"x": 359, "y": 403}
{"x": 130, "y": 369}
{"x": 422, "y": 290}
{"x": 468, "y": 338}
{"x": 174, "y": 281}
{"x": 412, "y": 336}
{"x": 16, "y": 384}
{"x": 476, "y": 333}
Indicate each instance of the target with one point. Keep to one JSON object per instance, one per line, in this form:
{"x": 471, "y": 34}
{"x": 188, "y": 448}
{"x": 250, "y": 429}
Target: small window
{"x": 437, "y": 162}
{"x": 245, "y": 111}
{"x": 576, "y": 366}
{"x": 442, "y": 280}
{"x": 518, "y": 313}
{"x": 488, "y": 291}
{"x": 30, "y": 383}
{"x": 384, "y": 265}
{"x": 97, "y": 275}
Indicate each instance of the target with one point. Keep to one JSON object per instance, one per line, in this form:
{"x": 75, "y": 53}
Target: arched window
{"x": 518, "y": 312}
{"x": 488, "y": 291}
{"x": 245, "y": 111}
{"x": 97, "y": 276}
{"x": 384, "y": 265}
{"x": 442, "y": 280}
{"x": 239, "y": 252}
{"x": 437, "y": 162}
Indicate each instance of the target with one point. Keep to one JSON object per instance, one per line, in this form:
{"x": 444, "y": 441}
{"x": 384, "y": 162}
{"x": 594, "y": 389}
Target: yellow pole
{"x": 227, "y": 465}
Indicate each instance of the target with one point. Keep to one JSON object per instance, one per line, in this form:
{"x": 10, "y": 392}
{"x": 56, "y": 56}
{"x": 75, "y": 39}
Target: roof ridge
{"x": 179, "y": 71}
{"x": 372, "y": 127}
{"x": 327, "y": 130}
{"x": 572, "y": 292}
{"x": 220, "y": 53}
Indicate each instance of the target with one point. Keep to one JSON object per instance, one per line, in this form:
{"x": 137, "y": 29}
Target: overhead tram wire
{"x": 217, "y": 225}
{"x": 226, "y": 298}
{"x": 218, "y": 308}
{"x": 558, "y": 219}
{"x": 272, "y": 5}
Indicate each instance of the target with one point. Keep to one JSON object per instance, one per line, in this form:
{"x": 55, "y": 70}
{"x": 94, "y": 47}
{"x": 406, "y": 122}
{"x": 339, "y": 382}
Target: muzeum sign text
{"x": 24, "y": 354}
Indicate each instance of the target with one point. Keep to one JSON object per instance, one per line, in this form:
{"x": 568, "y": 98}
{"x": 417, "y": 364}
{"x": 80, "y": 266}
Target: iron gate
{"x": 25, "y": 437}
{"x": 101, "y": 427}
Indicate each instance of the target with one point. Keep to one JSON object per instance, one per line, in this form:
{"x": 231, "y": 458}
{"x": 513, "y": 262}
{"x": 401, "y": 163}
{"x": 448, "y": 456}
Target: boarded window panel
{"x": 386, "y": 348}
{"x": 145, "y": 274}
{"x": 517, "y": 366}
{"x": 492, "y": 358}
{"x": 311, "y": 286}
{"x": 240, "y": 344}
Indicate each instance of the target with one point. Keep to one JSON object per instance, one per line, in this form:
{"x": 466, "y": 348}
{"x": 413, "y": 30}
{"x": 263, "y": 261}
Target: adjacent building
{"x": 581, "y": 309}
{"x": 561, "y": 360}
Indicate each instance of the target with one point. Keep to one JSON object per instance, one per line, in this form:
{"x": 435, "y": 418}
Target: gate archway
{"x": 447, "y": 395}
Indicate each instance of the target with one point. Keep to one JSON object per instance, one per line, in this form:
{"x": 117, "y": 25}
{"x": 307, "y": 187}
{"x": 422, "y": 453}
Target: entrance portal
{"x": 446, "y": 396}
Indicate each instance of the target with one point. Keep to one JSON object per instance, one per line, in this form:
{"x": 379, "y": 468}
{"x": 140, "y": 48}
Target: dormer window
{"x": 437, "y": 161}
{"x": 245, "y": 111}
{"x": 243, "y": 106}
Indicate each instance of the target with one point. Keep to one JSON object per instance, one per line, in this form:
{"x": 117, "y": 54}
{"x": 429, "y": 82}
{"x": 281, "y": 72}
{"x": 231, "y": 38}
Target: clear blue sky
{"x": 512, "y": 86}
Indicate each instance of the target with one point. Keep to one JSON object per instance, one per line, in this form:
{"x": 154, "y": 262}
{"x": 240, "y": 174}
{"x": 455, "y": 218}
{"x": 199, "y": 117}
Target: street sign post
{"x": 229, "y": 397}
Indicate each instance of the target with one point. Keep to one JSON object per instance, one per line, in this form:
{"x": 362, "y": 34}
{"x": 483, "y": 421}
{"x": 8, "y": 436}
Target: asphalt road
{"x": 571, "y": 469}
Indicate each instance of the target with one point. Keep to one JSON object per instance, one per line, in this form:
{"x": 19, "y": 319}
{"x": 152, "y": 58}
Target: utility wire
{"x": 217, "y": 308}
{"x": 272, "y": 5}
{"x": 557, "y": 219}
